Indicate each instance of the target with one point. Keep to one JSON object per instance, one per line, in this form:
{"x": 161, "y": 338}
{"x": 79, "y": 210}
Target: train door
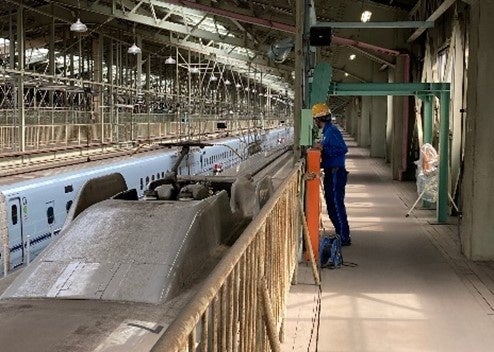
{"x": 15, "y": 228}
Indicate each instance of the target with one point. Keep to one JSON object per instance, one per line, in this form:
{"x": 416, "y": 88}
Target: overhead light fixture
{"x": 213, "y": 78}
{"x": 353, "y": 56}
{"x": 366, "y": 15}
{"x": 193, "y": 70}
{"x": 170, "y": 61}
{"x": 134, "y": 49}
{"x": 346, "y": 74}
{"x": 227, "y": 82}
{"x": 78, "y": 26}
{"x": 237, "y": 85}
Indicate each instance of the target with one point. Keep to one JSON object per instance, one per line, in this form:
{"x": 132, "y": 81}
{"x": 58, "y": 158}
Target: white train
{"x": 36, "y": 209}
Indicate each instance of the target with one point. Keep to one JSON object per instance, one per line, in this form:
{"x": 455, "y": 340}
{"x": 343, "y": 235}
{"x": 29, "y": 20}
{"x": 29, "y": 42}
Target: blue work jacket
{"x": 333, "y": 147}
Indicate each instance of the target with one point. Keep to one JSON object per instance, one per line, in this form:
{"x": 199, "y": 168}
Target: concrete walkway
{"x": 410, "y": 288}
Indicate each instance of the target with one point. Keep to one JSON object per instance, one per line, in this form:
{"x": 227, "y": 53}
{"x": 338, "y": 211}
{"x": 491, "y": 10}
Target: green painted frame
{"x": 424, "y": 91}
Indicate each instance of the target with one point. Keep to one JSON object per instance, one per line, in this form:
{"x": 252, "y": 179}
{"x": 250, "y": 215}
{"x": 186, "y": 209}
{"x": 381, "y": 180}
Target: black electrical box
{"x": 320, "y": 36}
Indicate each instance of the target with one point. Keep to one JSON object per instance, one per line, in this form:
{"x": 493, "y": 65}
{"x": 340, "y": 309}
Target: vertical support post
{"x": 148, "y": 98}
{"x": 442, "y": 198}
{"x": 135, "y": 124}
{"x": 298, "y": 103}
{"x": 312, "y": 204}
{"x": 12, "y": 47}
{"x": 51, "y": 53}
{"x": 111, "y": 102}
{"x": 268, "y": 317}
{"x": 98, "y": 110}
{"x": 20, "y": 86}
{"x": 427, "y": 101}
{"x": 428, "y": 118}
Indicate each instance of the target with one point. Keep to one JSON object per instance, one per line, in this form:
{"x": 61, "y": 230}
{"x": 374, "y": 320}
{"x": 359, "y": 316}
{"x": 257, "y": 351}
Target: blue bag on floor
{"x": 330, "y": 255}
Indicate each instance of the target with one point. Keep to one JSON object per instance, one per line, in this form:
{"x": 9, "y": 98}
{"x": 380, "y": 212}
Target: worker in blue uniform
{"x": 333, "y": 149}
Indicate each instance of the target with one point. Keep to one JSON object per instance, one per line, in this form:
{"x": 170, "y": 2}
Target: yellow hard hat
{"x": 320, "y": 110}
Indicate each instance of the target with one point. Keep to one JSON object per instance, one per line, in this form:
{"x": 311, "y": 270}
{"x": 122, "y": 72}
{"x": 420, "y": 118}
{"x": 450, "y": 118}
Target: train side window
{"x": 68, "y": 205}
{"x": 142, "y": 184}
{"x": 147, "y": 180}
{"x": 14, "y": 214}
{"x": 162, "y": 174}
{"x": 152, "y": 177}
{"x": 50, "y": 215}
{"x": 157, "y": 175}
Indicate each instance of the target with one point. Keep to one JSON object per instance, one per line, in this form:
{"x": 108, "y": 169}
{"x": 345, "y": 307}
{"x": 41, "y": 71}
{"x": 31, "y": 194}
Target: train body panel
{"x": 38, "y": 207}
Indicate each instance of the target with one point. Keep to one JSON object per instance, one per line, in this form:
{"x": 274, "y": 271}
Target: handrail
{"x": 240, "y": 304}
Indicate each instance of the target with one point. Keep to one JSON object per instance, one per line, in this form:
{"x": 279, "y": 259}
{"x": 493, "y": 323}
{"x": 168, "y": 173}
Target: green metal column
{"x": 427, "y": 118}
{"x": 442, "y": 199}
{"x": 323, "y": 73}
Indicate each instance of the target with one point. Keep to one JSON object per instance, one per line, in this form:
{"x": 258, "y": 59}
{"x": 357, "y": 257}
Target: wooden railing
{"x": 240, "y": 307}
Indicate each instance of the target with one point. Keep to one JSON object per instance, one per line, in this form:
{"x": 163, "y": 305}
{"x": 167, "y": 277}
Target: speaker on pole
{"x": 320, "y": 36}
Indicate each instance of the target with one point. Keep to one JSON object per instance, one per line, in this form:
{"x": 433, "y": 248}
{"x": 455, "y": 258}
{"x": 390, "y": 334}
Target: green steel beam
{"x": 422, "y": 90}
{"x": 383, "y": 89}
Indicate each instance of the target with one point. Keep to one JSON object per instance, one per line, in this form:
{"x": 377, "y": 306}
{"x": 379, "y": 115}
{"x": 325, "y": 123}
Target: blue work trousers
{"x": 335, "y": 180}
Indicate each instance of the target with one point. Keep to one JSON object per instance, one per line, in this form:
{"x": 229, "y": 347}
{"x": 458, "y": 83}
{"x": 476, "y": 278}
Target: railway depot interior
{"x": 92, "y": 85}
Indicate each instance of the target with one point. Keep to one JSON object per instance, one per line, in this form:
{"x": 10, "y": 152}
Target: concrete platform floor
{"x": 410, "y": 288}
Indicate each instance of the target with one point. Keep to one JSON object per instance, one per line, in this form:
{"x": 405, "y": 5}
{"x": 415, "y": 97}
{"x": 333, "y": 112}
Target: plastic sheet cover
{"x": 427, "y": 173}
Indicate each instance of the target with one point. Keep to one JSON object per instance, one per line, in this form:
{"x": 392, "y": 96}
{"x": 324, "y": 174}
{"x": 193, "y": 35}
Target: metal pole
{"x": 299, "y": 71}
{"x": 20, "y": 86}
{"x": 111, "y": 101}
{"x": 428, "y": 118}
{"x": 442, "y": 200}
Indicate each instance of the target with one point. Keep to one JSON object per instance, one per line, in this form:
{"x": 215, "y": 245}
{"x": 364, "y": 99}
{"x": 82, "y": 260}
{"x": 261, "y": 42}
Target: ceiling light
{"x": 78, "y": 27}
{"x": 227, "y": 82}
{"x": 134, "y": 49}
{"x": 346, "y": 74}
{"x": 366, "y": 15}
{"x": 237, "y": 85}
{"x": 353, "y": 56}
{"x": 213, "y": 78}
{"x": 193, "y": 70}
{"x": 170, "y": 60}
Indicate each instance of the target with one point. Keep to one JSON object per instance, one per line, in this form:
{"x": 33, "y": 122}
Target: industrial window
{"x": 68, "y": 205}
{"x": 50, "y": 215}
{"x": 14, "y": 214}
